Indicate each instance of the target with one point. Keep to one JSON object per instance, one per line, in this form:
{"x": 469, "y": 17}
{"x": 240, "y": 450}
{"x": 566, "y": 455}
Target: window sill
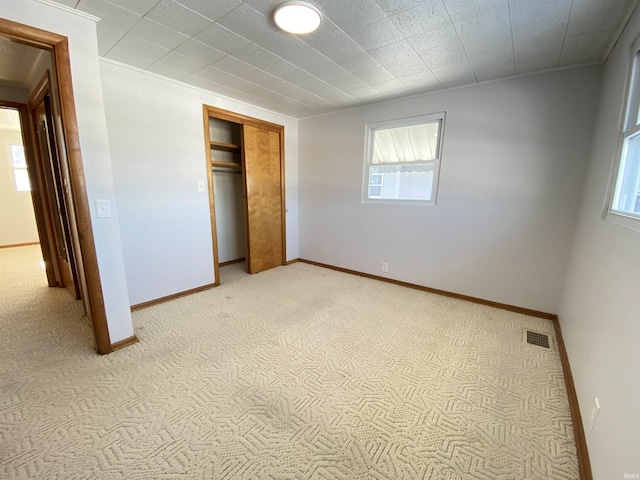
{"x": 622, "y": 220}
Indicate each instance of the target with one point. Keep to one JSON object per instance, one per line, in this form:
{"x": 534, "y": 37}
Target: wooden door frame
{"x": 62, "y": 206}
{"x": 58, "y": 46}
{"x": 221, "y": 114}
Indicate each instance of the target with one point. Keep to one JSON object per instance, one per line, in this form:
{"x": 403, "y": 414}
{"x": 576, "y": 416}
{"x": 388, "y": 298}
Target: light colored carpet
{"x": 295, "y": 373}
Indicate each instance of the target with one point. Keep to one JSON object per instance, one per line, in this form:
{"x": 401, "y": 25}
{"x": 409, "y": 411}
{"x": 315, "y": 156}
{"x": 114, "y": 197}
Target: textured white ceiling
{"x": 364, "y": 51}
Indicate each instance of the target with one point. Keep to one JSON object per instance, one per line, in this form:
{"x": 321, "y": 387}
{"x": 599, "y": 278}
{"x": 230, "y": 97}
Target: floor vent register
{"x": 540, "y": 339}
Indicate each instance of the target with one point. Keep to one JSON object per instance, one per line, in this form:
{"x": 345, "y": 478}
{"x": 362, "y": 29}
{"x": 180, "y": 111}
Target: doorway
{"x": 35, "y": 237}
{"x": 17, "y": 219}
{"x": 52, "y": 192}
{"x": 80, "y": 233}
{"x": 245, "y": 165}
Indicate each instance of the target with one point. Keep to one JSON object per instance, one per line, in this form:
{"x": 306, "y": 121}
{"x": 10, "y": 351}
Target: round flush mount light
{"x": 297, "y": 17}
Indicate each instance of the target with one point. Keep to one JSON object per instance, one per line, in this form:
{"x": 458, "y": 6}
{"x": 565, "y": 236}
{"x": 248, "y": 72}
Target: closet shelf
{"x": 234, "y": 166}
{"x": 227, "y": 147}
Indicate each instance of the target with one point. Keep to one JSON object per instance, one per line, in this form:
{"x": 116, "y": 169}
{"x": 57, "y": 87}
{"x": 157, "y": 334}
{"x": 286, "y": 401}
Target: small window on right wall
{"x": 402, "y": 160}
{"x": 625, "y": 198}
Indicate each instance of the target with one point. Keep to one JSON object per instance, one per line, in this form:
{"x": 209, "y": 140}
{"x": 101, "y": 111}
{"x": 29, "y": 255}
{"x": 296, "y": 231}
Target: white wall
{"x": 600, "y": 309}
{"x": 157, "y": 140}
{"x": 17, "y": 219}
{"x": 513, "y": 160}
{"x": 83, "y": 48}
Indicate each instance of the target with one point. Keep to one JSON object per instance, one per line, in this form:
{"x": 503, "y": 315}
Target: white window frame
{"x": 381, "y": 185}
{"x": 627, "y": 129}
{"x": 370, "y": 129}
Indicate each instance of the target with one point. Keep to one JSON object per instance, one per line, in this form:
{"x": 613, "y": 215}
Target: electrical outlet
{"x": 385, "y": 267}
{"x": 594, "y": 413}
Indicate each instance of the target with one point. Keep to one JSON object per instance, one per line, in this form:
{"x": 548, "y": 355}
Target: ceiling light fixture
{"x": 297, "y": 17}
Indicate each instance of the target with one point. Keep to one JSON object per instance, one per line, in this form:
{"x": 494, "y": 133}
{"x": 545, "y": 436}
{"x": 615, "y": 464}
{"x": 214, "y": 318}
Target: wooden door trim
{"x": 43, "y": 183}
{"x": 283, "y": 208}
{"x": 58, "y": 45}
{"x": 42, "y": 95}
{"x": 43, "y": 87}
{"x": 242, "y": 119}
{"x": 245, "y": 196}
{"x": 212, "y": 206}
{"x": 227, "y": 115}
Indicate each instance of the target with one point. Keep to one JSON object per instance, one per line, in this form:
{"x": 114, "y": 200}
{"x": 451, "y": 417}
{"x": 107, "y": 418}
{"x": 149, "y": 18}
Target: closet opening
{"x": 229, "y": 193}
{"x": 245, "y": 165}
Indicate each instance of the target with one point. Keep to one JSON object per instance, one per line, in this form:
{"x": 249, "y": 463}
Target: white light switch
{"x": 201, "y": 186}
{"x": 103, "y": 208}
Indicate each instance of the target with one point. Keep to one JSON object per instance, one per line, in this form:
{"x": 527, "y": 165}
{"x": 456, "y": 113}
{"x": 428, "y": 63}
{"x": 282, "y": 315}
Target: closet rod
{"x": 220, "y": 170}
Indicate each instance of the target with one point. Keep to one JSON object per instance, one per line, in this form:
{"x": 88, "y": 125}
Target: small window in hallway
{"x": 19, "y": 164}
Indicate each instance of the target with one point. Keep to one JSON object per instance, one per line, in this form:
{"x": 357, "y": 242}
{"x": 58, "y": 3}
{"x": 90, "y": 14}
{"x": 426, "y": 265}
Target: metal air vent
{"x": 540, "y": 339}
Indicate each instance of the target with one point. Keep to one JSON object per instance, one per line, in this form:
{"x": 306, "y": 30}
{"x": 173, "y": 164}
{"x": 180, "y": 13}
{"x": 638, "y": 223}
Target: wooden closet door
{"x": 263, "y": 180}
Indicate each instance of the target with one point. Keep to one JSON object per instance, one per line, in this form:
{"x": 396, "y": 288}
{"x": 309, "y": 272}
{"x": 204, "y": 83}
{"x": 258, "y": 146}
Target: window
{"x": 375, "y": 185}
{"x": 20, "y": 173}
{"x": 402, "y": 160}
{"x": 625, "y": 200}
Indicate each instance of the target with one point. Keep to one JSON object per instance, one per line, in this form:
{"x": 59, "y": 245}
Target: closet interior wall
{"x": 228, "y": 188}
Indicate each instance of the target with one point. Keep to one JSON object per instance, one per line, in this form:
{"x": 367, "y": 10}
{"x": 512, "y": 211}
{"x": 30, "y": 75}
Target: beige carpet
{"x": 295, "y": 373}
